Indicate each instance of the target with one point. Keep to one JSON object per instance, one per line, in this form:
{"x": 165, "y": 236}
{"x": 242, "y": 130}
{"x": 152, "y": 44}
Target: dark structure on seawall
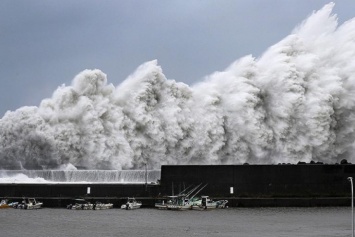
{"x": 241, "y": 185}
{"x": 267, "y": 185}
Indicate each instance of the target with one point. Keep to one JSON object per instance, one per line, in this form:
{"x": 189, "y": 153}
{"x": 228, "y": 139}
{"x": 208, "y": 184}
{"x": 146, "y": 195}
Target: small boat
{"x": 29, "y": 204}
{"x": 161, "y": 204}
{"x": 205, "y": 203}
{"x": 131, "y": 204}
{"x": 222, "y": 204}
{"x": 82, "y": 204}
{"x": 4, "y": 204}
{"x": 102, "y": 206}
{"x": 13, "y": 204}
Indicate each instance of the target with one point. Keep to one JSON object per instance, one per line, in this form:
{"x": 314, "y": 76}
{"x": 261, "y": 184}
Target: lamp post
{"x": 146, "y": 176}
{"x": 352, "y": 204}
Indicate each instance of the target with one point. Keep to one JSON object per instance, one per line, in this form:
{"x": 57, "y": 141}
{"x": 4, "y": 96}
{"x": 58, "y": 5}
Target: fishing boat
{"x": 183, "y": 201}
{"x": 131, "y": 204}
{"x": 180, "y": 202}
{"x": 205, "y": 203}
{"x": 29, "y": 204}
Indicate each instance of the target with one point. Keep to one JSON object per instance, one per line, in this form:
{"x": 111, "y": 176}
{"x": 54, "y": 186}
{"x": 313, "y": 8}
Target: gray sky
{"x": 44, "y": 44}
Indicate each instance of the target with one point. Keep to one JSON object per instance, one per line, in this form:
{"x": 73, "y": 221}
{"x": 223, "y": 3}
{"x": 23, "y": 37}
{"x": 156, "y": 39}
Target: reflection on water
{"x": 245, "y": 222}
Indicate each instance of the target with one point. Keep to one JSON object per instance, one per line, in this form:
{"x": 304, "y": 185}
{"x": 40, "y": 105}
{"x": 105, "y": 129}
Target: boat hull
{"x": 161, "y": 206}
{"x": 131, "y": 206}
{"x": 103, "y": 206}
{"x": 91, "y": 206}
{"x": 201, "y": 208}
{"x": 32, "y": 207}
{"x": 178, "y": 207}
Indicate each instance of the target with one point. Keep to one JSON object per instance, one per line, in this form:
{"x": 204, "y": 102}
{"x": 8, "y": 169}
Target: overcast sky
{"x": 44, "y": 44}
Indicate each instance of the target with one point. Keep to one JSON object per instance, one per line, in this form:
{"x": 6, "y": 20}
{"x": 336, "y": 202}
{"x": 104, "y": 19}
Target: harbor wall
{"x": 253, "y": 186}
{"x": 77, "y": 190}
{"x": 60, "y": 195}
{"x": 261, "y": 181}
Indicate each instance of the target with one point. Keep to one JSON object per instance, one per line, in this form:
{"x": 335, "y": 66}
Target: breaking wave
{"x": 79, "y": 176}
{"x": 294, "y": 103}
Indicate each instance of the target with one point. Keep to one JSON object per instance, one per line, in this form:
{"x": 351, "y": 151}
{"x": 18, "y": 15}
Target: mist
{"x": 294, "y": 103}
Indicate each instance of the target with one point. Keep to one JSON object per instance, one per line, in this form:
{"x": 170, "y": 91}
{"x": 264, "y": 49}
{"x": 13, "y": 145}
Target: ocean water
{"x": 245, "y": 222}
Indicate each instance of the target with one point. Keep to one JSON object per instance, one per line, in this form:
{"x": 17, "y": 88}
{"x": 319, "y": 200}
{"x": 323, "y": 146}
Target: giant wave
{"x": 294, "y": 103}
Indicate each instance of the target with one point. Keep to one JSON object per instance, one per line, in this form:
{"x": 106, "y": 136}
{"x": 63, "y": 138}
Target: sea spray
{"x": 294, "y": 103}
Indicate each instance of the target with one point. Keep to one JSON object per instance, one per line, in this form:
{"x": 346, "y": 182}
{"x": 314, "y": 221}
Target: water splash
{"x": 294, "y": 103}
{"x": 79, "y": 176}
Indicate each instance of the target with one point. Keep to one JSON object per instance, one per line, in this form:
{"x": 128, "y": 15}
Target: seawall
{"x": 261, "y": 181}
{"x": 242, "y": 185}
{"x": 62, "y": 194}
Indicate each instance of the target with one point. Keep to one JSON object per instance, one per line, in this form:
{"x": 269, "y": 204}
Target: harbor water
{"x": 245, "y": 222}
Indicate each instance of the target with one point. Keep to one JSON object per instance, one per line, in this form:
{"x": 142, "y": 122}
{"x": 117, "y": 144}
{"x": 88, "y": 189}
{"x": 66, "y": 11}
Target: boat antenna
{"x": 193, "y": 190}
{"x": 185, "y": 190}
{"x": 198, "y": 191}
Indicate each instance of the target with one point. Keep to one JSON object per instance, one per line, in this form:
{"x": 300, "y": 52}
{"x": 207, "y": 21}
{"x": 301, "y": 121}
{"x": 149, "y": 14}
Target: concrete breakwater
{"x": 257, "y": 181}
{"x": 242, "y": 185}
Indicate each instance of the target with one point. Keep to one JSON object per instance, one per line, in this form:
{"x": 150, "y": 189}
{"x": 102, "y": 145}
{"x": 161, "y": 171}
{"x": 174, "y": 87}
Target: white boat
{"x": 29, "y": 204}
{"x": 161, "y": 204}
{"x": 82, "y": 204}
{"x": 206, "y": 203}
{"x": 13, "y": 204}
{"x": 222, "y": 204}
{"x": 131, "y": 203}
{"x": 4, "y": 204}
{"x": 102, "y": 206}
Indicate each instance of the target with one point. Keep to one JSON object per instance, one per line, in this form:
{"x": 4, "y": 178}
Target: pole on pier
{"x": 352, "y": 204}
{"x": 146, "y": 177}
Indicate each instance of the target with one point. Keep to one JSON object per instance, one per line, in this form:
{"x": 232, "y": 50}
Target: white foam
{"x": 294, "y": 103}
